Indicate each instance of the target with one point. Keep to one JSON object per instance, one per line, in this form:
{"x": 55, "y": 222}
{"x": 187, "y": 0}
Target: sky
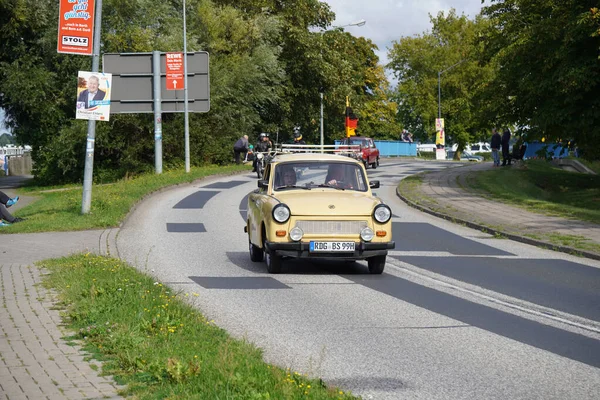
{"x": 389, "y": 20}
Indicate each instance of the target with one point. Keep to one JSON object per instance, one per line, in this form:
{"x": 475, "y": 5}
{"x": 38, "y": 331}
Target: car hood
{"x": 328, "y": 202}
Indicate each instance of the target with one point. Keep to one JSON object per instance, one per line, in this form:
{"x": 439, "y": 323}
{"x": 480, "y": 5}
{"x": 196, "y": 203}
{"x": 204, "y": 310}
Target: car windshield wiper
{"x": 331, "y": 186}
{"x": 292, "y": 187}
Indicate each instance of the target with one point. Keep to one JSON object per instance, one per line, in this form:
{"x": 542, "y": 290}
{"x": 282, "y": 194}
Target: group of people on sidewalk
{"x": 6, "y": 218}
{"x": 500, "y": 142}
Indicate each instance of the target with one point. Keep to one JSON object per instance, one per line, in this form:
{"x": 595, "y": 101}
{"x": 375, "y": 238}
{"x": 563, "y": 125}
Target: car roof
{"x": 303, "y": 157}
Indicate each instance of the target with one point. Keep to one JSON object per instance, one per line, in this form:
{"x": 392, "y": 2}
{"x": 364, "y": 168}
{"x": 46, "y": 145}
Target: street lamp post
{"x": 439, "y": 86}
{"x": 321, "y": 90}
{"x": 322, "y": 138}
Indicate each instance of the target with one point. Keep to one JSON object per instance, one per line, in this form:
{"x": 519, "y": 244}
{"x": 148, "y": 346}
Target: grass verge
{"x": 59, "y": 208}
{"x": 154, "y": 341}
{"x": 543, "y": 188}
{"x": 409, "y": 188}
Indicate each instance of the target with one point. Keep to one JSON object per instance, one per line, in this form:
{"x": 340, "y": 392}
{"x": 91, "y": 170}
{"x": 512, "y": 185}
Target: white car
{"x": 474, "y": 148}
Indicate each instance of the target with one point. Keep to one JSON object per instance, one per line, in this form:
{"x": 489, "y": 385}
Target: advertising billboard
{"x": 76, "y": 27}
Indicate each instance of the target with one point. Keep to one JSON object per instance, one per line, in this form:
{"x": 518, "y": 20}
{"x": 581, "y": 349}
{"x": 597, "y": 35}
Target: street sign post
{"x": 137, "y": 80}
{"x": 174, "y": 71}
{"x": 132, "y": 79}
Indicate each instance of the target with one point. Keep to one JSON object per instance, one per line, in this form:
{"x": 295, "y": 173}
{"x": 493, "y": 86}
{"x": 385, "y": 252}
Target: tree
{"x": 548, "y": 68}
{"x": 266, "y": 68}
{"x": 6, "y": 139}
{"x": 446, "y": 55}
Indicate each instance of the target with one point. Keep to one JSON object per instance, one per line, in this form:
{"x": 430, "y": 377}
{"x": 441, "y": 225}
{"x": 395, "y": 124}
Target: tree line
{"x": 529, "y": 64}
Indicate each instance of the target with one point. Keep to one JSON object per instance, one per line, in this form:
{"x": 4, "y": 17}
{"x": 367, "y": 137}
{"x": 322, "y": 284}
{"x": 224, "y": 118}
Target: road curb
{"x": 511, "y": 236}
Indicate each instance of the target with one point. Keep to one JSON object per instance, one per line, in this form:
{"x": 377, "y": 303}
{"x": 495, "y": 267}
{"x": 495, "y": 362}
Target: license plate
{"x": 331, "y": 247}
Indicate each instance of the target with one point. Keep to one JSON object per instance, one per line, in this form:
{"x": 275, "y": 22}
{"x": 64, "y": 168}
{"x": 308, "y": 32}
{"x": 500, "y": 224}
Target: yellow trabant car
{"x": 317, "y": 206}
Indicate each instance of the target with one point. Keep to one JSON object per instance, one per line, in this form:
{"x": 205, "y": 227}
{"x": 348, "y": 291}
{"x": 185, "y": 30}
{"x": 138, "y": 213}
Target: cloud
{"x": 389, "y": 20}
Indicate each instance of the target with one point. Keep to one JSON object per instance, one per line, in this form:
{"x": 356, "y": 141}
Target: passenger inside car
{"x": 287, "y": 177}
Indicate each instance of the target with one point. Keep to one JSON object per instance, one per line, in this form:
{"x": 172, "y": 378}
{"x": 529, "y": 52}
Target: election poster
{"x": 93, "y": 95}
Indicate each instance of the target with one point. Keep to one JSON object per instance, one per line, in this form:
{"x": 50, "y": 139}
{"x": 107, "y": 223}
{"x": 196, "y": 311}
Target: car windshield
{"x": 355, "y": 142}
{"x": 319, "y": 174}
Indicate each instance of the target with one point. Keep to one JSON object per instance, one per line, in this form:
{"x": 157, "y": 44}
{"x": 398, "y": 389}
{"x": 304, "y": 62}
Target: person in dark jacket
{"x": 241, "y": 146}
{"x": 92, "y": 94}
{"x": 495, "y": 144}
{"x": 505, "y": 153}
{"x": 264, "y": 145}
{"x": 298, "y": 138}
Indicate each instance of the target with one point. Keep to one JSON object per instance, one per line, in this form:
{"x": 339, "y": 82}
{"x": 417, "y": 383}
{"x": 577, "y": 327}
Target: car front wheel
{"x": 256, "y": 253}
{"x": 376, "y": 264}
{"x": 375, "y": 164}
{"x": 273, "y": 262}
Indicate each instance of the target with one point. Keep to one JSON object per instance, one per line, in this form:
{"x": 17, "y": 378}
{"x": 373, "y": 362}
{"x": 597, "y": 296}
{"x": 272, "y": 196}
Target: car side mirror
{"x": 263, "y": 184}
{"x": 374, "y": 184}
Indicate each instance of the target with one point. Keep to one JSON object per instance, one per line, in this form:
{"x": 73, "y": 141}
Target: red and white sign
{"x": 76, "y": 27}
{"x": 175, "y": 71}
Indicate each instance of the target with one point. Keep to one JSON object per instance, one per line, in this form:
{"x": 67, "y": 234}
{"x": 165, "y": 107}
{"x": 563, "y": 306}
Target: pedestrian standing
{"x": 496, "y": 142}
{"x": 505, "y": 141}
{"x": 241, "y": 146}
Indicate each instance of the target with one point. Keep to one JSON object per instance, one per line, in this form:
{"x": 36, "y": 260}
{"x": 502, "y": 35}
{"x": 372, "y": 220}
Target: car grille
{"x": 328, "y": 227}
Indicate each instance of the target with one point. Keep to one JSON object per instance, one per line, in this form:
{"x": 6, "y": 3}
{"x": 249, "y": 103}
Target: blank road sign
{"x": 132, "y": 89}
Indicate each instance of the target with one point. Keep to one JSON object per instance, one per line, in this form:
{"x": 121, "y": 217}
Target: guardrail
{"x": 14, "y": 150}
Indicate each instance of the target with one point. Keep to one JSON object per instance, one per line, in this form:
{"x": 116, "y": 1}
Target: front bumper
{"x": 362, "y": 251}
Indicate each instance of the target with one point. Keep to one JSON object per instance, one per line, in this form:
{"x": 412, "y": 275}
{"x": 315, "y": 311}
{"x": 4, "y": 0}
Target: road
{"x": 457, "y": 314}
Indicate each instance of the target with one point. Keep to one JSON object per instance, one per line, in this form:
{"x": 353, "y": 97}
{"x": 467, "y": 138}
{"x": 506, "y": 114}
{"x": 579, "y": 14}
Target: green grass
{"x": 543, "y": 188}
{"x": 59, "y": 208}
{"x": 154, "y": 341}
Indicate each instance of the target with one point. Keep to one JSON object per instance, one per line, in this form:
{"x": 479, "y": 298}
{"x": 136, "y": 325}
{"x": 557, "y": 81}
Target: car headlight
{"x": 296, "y": 234}
{"x": 281, "y": 213}
{"x": 367, "y": 234}
{"x": 259, "y": 156}
{"x": 382, "y": 213}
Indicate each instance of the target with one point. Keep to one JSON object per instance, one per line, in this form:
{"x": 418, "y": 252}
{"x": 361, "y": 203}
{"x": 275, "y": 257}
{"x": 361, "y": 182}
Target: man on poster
{"x": 92, "y": 94}
{"x": 93, "y": 98}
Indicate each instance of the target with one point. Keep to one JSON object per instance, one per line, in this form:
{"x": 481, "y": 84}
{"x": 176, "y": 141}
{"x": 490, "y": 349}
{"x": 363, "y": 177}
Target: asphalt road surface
{"x": 457, "y": 314}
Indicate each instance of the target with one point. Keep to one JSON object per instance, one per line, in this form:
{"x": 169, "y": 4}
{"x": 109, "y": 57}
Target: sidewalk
{"x": 35, "y": 361}
{"x": 443, "y": 194}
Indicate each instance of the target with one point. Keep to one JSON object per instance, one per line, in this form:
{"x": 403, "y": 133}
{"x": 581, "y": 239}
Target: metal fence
{"x": 553, "y": 150}
{"x": 393, "y": 148}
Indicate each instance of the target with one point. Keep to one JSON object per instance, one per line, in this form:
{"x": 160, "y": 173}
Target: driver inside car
{"x": 336, "y": 177}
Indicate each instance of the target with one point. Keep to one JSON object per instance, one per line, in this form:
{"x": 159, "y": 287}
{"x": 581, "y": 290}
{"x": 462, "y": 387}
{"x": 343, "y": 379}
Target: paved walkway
{"x": 443, "y": 193}
{"x": 36, "y": 363}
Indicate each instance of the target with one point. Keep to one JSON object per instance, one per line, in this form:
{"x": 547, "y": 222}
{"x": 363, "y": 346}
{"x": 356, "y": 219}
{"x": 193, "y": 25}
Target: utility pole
{"x": 185, "y": 96}
{"x": 362, "y": 22}
{"x": 88, "y": 175}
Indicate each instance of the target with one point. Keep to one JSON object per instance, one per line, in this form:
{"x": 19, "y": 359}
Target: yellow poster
{"x": 440, "y": 138}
